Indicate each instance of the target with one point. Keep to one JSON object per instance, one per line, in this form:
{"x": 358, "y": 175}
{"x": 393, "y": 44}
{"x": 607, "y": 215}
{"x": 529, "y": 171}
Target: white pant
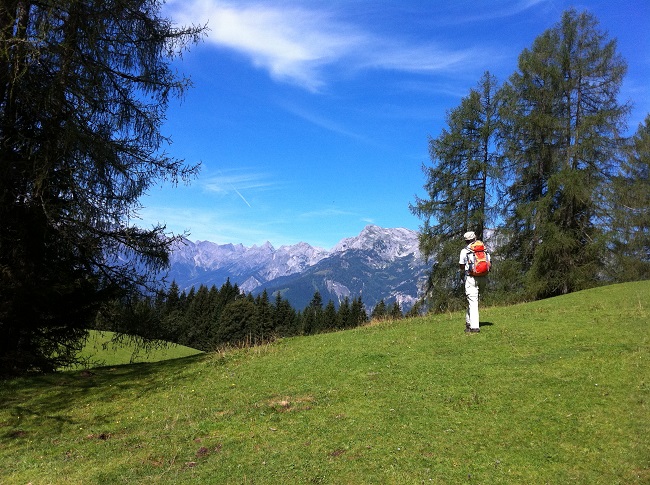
{"x": 473, "y": 286}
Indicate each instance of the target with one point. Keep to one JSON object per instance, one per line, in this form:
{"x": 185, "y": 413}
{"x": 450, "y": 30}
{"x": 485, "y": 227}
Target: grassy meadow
{"x": 102, "y": 350}
{"x": 555, "y": 391}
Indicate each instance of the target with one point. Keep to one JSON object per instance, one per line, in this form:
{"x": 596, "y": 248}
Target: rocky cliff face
{"x": 377, "y": 264}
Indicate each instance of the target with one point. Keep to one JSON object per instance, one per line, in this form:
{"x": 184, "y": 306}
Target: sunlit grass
{"x": 549, "y": 392}
{"x": 101, "y": 350}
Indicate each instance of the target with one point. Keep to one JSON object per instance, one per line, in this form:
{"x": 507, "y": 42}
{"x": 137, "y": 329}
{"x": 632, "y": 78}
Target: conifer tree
{"x": 461, "y": 188}
{"x": 237, "y": 324}
{"x": 264, "y": 317}
{"x": 329, "y": 316}
{"x": 358, "y": 315}
{"x": 396, "y": 312}
{"x": 313, "y": 315}
{"x": 379, "y": 312}
{"x": 83, "y": 90}
{"x": 172, "y": 300}
{"x": 562, "y": 123}
{"x": 285, "y": 319}
{"x": 344, "y": 313}
{"x": 629, "y": 211}
{"x": 173, "y": 318}
{"x": 200, "y": 318}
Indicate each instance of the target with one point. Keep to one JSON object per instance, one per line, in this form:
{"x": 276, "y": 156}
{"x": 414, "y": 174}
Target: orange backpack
{"x": 479, "y": 264}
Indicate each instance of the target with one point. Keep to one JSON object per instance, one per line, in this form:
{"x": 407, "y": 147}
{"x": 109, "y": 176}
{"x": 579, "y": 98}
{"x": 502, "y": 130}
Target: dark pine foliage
{"x": 84, "y": 85}
{"x": 209, "y": 319}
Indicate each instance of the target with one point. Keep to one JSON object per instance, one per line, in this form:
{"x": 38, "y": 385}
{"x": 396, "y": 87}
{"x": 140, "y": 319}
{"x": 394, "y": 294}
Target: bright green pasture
{"x": 555, "y": 391}
{"x": 101, "y": 349}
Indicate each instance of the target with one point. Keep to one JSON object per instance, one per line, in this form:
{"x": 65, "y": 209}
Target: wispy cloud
{"x": 321, "y": 213}
{"x": 320, "y": 121}
{"x": 496, "y": 9}
{"x": 206, "y": 224}
{"x": 292, "y": 43}
{"x": 419, "y": 58}
{"x": 236, "y": 181}
{"x": 224, "y": 182}
{"x": 297, "y": 45}
{"x": 229, "y": 224}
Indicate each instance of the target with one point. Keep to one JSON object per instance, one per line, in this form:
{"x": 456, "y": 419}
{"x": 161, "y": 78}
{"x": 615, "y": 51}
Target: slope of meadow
{"x": 555, "y": 391}
{"x": 101, "y": 349}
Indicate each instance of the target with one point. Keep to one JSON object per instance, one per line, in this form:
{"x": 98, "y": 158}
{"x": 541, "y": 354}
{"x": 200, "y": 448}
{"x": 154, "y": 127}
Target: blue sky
{"x": 311, "y": 118}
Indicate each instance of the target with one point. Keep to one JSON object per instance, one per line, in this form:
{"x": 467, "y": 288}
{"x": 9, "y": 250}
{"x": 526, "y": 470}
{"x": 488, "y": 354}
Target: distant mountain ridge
{"x": 377, "y": 264}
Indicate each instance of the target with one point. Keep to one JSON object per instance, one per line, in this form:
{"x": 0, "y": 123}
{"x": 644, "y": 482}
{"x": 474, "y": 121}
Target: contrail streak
{"x": 233, "y": 188}
{"x": 239, "y": 194}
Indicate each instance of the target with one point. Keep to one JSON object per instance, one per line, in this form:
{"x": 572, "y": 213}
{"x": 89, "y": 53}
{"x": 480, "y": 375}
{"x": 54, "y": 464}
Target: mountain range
{"x": 378, "y": 264}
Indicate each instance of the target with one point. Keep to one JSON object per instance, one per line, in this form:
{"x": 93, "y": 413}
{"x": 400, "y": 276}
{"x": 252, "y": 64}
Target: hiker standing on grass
{"x": 474, "y": 263}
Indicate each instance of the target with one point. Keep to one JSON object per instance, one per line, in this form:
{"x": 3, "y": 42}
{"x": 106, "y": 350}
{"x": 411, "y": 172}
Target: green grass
{"x": 101, "y": 350}
{"x": 554, "y": 391}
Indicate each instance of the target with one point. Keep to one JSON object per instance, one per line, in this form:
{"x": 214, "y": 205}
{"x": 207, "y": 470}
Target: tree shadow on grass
{"x": 47, "y": 401}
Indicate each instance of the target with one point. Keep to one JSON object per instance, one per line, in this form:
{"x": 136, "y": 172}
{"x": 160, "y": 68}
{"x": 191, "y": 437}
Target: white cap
{"x": 469, "y": 236}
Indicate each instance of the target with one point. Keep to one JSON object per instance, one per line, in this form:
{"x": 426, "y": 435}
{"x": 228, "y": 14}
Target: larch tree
{"x": 629, "y": 211}
{"x": 562, "y": 131}
{"x": 84, "y": 85}
{"x": 461, "y": 188}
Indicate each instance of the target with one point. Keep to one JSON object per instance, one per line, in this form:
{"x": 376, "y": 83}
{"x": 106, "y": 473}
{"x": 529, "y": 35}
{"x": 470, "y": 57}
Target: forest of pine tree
{"x": 210, "y": 318}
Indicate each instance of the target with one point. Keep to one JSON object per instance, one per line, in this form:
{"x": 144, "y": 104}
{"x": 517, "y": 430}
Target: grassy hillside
{"x": 555, "y": 391}
{"x": 100, "y": 350}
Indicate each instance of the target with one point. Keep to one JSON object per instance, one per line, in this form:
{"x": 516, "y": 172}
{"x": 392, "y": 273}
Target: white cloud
{"x": 235, "y": 180}
{"x": 296, "y": 45}
{"x": 291, "y": 43}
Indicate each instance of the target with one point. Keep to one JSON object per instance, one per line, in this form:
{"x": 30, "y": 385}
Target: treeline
{"x": 540, "y": 167}
{"x": 211, "y": 318}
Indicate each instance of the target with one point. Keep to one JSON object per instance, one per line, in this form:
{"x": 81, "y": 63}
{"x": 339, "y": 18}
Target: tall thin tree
{"x": 461, "y": 187}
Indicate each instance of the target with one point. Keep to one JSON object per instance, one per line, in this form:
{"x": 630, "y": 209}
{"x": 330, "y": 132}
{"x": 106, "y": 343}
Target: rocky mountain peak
{"x": 356, "y": 265}
{"x": 387, "y": 243}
